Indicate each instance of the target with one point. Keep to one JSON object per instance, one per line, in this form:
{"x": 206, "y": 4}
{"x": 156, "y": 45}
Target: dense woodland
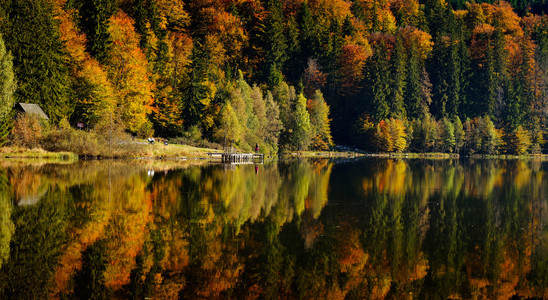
{"x": 383, "y": 75}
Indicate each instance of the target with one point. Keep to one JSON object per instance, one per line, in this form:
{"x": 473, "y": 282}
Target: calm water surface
{"x": 368, "y": 228}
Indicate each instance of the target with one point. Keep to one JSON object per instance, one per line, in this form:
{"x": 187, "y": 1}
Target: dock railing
{"x": 238, "y": 158}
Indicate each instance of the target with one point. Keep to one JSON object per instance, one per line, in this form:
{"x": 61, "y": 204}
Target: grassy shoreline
{"x": 173, "y": 151}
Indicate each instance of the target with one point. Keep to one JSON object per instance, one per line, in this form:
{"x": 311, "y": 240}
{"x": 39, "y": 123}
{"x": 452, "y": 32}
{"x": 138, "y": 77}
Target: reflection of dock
{"x": 238, "y": 158}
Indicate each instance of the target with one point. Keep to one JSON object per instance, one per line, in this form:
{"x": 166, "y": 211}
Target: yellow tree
{"x": 376, "y": 15}
{"x": 129, "y": 72}
{"x": 94, "y": 92}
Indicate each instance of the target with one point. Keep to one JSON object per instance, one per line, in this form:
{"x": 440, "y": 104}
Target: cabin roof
{"x": 31, "y": 108}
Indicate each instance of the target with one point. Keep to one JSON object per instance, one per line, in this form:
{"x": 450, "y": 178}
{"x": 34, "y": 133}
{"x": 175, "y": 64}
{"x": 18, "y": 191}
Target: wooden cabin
{"x": 30, "y": 108}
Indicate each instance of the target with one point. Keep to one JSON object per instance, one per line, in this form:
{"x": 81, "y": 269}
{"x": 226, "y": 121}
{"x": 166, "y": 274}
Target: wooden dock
{"x": 238, "y": 158}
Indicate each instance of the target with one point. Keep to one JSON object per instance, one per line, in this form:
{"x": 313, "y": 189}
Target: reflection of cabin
{"x": 29, "y": 108}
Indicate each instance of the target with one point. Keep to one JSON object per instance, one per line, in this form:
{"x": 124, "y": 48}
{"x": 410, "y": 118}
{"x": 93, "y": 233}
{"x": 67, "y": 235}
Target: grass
{"x": 37, "y": 153}
{"x": 326, "y": 154}
{"x": 169, "y": 151}
{"x": 135, "y": 151}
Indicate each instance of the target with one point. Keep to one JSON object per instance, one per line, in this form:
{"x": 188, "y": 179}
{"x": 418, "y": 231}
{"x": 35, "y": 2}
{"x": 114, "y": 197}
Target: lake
{"x": 304, "y": 229}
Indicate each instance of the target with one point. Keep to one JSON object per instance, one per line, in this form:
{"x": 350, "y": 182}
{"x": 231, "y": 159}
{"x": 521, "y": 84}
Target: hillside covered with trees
{"x": 383, "y": 75}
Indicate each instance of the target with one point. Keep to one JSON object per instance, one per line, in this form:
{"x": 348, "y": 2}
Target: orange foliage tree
{"x": 129, "y": 72}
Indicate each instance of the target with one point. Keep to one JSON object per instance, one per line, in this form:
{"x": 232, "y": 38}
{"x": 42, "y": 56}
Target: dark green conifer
{"x": 378, "y": 80}
{"x": 94, "y": 16}
{"x": 398, "y": 83}
{"x": 40, "y": 63}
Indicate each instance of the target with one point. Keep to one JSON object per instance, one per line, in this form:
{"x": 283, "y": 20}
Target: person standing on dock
{"x": 256, "y": 148}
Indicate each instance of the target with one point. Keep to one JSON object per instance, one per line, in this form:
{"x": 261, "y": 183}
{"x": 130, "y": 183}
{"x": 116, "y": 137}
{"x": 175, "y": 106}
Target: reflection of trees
{"x": 393, "y": 228}
{"x": 35, "y": 248}
{"x": 6, "y": 224}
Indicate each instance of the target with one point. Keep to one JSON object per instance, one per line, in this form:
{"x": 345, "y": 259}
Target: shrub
{"x": 68, "y": 139}
{"x": 27, "y": 131}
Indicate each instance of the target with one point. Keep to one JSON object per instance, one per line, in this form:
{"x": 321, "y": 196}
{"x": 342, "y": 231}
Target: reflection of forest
{"x": 391, "y": 228}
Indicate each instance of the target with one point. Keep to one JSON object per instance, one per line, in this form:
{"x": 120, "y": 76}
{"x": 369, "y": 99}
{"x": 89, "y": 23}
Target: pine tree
{"x": 275, "y": 42}
{"x": 40, "y": 64}
{"x": 94, "y": 20}
{"x": 454, "y": 88}
{"x": 199, "y": 92}
{"x": 309, "y": 36}
{"x": 293, "y": 65}
{"x": 413, "y": 96}
{"x": 397, "y": 107}
{"x": 379, "y": 83}
{"x": 8, "y": 83}
{"x": 489, "y": 85}
{"x": 438, "y": 67}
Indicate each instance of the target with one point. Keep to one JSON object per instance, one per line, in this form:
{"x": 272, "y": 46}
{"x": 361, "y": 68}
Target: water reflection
{"x": 294, "y": 229}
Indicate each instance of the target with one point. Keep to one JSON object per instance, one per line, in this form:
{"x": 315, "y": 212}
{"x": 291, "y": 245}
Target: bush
{"x": 69, "y": 139}
{"x": 27, "y": 131}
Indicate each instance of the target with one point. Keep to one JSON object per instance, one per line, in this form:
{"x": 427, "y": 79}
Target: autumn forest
{"x": 381, "y": 75}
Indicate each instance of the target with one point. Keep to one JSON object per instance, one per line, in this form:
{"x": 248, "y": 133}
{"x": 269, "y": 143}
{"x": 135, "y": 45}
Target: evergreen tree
{"x": 397, "y": 107}
{"x": 199, "y": 92}
{"x": 489, "y": 84}
{"x": 94, "y": 22}
{"x": 40, "y": 64}
{"x": 413, "y": 96}
{"x": 438, "y": 68}
{"x": 454, "y": 88}
{"x": 378, "y": 78}
{"x": 8, "y": 83}
{"x": 293, "y": 65}
{"x": 309, "y": 39}
{"x": 153, "y": 35}
{"x": 275, "y": 42}
{"x": 435, "y": 12}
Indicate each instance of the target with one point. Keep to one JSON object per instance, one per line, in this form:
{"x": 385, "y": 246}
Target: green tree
{"x": 285, "y": 97}
{"x": 274, "y": 125}
{"x": 459, "y": 134}
{"x": 6, "y": 224}
{"x": 40, "y": 64}
{"x": 8, "y": 84}
{"x": 302, "y": 129}
{"x": 413, "y": 98}
{"x": 491, "y": 139}
{"x": 448, "y": 136}
{"x": 320, "y": 122}
{"x": 398, "y": 64}
{"x": 94, "y": 17}
{"x": 275, "y": 42}
{"x": 230, "y": 129}
{"x": 199, "y": 92}
{"x": 378, "y": 79}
